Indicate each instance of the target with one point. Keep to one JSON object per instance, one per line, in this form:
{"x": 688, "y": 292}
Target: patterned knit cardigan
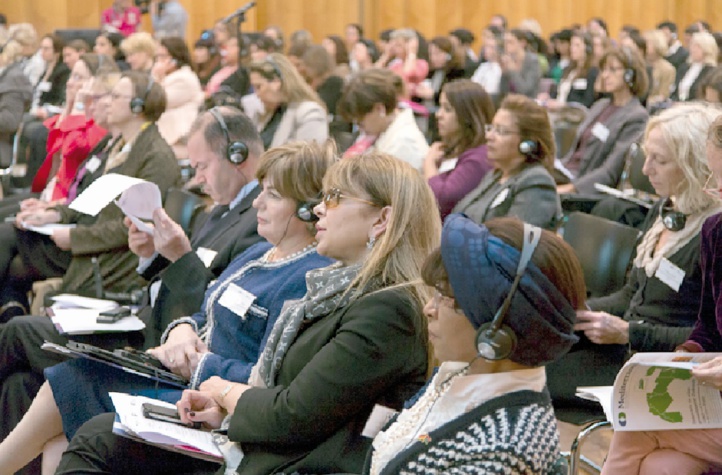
{"x": 511, "y": 434}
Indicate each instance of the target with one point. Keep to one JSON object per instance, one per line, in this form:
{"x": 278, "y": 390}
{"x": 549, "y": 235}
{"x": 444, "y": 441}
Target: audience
{"x": 169, "y": 18}
{"x": 318, "y": 70}
{"x": 520, "y": 148}
{"x": 122, "y": 17}
{"x": 446, "y": 64}
{"x": 72, "y": 52}
{"x": 578, "y": 79}
{"x": 206, "y": 60}
{"x": 108, "y": 43}
{"x": 337, "y": 49}
{"x": 702, "y": 59}
{"x": 488, "y": 74}
{"x": 520, "y": 68}
{"x": 139, "y": 51}
{"x": 663, "y": 72}
{"x": 15, "y": 96}
{"x": 403, "y": 60}
{"x": 676, "y": 53}
{"x": 365, "y": 54}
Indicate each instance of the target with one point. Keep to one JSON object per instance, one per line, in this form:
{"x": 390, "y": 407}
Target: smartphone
{"x": 113, "y": 315}
{"x": 164, "y": 414}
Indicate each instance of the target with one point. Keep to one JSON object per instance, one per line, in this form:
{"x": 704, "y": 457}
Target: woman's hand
{"x": 181, "y": 351}
{"x": 602, "y": 328}
{"x": 199, "y": 406}
{"x": 33, "y": 204}
{"x": 225, "y": 393}
{"x": 36, "y": 217}
{"x": 710, "y": 373}
{"x": 566, "y": 189}
{"x": 433, "y": 160}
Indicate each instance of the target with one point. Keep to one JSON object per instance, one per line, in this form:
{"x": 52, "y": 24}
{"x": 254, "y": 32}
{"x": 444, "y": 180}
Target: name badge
{"x": 600, "y": 131}
{"x": 670, "y": 274}
{"x": 44, "y": 86}
{"x": 580, "y": 83}
{"x": 237, "y": 299}
{"x": 500, "y": 198}
{"x": 380, "y": 416}
{"x": 448, "y": 165}
{"x": 92, "y": 164}
{"x": 206, "y": 255}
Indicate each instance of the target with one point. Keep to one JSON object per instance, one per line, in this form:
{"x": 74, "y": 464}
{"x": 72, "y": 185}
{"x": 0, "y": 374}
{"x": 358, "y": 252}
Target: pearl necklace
{"x": 271, "y": 254}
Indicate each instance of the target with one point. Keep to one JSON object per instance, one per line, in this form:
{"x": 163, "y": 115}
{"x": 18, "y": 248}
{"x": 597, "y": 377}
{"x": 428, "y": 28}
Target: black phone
{"x": 113, "y": 315}
{"x": 164, "y": 414}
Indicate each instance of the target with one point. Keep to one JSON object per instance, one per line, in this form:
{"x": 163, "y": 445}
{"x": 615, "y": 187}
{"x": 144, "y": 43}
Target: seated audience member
{"x": 141, "y": 153}
{"x": 560, "y": 58}
{"x": 578, "y": 79}
{"x": 600, "y": 45}
{"x": 292, "y": 110}
{"x": 404, "y": 60}
{"x": 653, "y": 311}
{"x": 520, "y": 147}
{"x": 72, "y": 52}
{"x": 463, "y": 40}
{"x": 699, "y": 451}
{"x": 169, "y": 18}
{"x": 702, "y": 60}
{"x": 676, "y": 53}
{"x": 15, "y": 96}
{"x": 232, "y": 75}
{"x": 275, "y": 33}
{"x": 520, "y": 68}
{"x": 26, "y": 35}
{"x": 317, "y": 69}
{"x": 218, "y": 339}
{"x": 370, "y": 99}
{"x": 122, "y": 17}
{"x": 356, "y": 339}
{"x": 365, "y": 54}
{"x": 184, "y": 96}
{"x": 712, "y": 87}
{"x": 353, "y": 33}
{"x": 455, "y": 165}
{"x": 50, "y": 90}
{"x": 261, "y": 47}
{"x": 663, "y": 73}
{"x": 610, "y": 127}
{"x": 488, "y": 74}
{"x": 488, "y": 403}
{"x": 339, "y": 54}
{"x": 139, "y": 51}
{"x": 108, "y": 43}
{"x": 206, "y": 59}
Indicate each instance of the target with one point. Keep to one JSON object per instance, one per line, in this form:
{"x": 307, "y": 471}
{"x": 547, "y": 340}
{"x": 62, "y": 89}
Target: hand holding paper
{"x": 710, "y": 373}
{"x": 169, "y": 238}
{"x": 139, "y": 242}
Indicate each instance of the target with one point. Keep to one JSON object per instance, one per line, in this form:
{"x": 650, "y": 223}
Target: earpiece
{"x": 137, "y": 104}
{"x": 237, "y": 152}
{"x": 529, "y": 148}
{"x": 628, "y": 69}
{"x": 305, "y": 213}
{"x": 672, "y": 220}
{"x": 494, "y": 340}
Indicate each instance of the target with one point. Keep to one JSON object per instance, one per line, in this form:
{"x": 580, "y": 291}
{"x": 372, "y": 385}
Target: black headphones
{"x": 305, "y": 213}
{"x": 237, "y": 152}
{"x": 672, "y": 220}
{"x": 137, "y": 104}
{"x": 529, "y": 148}
{"x": 494, "y": 340}
{"x": 629, "y": 72}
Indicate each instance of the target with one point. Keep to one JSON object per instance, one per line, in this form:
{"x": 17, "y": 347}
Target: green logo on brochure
{"x": 622, "y": 419}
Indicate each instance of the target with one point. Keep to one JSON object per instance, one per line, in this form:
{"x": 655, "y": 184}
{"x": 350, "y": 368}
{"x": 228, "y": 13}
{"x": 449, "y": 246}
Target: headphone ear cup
{"x": 237, "y": 152}
{"x": 495, "y": 345}
{"x": 305, "y": 213}
{"x": 629, "y": 77}
{"x": 528, "y": 147}
{"x": 137, "y": 104}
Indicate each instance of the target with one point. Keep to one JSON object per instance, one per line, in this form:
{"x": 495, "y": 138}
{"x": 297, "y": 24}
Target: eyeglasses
{"x": 332, "y": 198}
{"x": 441, "y": 299}
{"x": 489, "y": 128}
{"x": 713, "y": 192}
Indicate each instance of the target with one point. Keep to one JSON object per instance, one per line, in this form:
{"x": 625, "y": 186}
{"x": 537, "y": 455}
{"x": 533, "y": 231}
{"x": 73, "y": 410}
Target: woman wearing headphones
{"x": 291, "y": 108}
{"x": 225, "y": 336}
{"x": 658, "y": 305}
{"x": 487, "y": 410}
{"x": 611, "y": 126}
{"x": 184, "y": 96}
{"x": 578, "y": 79}
{"x": 520, "y": 147}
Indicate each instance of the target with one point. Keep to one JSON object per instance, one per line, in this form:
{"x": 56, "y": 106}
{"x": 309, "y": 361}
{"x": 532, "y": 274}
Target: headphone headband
{"x": 236, "y": 151}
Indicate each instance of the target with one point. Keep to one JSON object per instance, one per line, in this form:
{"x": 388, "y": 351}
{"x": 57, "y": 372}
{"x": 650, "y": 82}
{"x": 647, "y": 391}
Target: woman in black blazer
{"x": 702, "y": 60}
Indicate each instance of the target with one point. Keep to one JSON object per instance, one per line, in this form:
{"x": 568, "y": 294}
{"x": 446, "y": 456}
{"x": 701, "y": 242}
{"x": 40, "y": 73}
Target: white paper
{"x": 130, "y": 411}
{"x": 101, "y": 192}
{"x": 76, "y": 301}
{"x": 83, "y": 321}
{"x": 600, "y": 394}
{"x": 47, "y": 229}
{"x": 138, "y": 203}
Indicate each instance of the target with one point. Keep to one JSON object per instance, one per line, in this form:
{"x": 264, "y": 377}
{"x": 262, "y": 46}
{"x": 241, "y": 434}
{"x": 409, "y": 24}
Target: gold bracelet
{"x": 225, "y": 391}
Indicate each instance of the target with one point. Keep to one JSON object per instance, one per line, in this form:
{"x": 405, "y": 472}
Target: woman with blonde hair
{"x": 355, "y": 340}
{"x": 702, "y": 60}
{"x": 139, "y": 50}
{"x": 663, "y": 73}
{"x": 292, "y": 109}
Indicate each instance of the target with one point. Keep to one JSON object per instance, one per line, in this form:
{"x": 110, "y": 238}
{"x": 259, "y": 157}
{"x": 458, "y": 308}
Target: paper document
{"x": 138, "y": 203}
{"x": 176, "y": 437}
{"x": 77, "y": 321}
{"x": 76, "y": 301}
{"x": 47, "y": 229}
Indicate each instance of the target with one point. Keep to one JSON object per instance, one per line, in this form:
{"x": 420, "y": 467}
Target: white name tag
{"x": 92, "y": 164}
{"x": 448, "y": 165}
{"x": 379, "y": 417}
{"x": 44, "y": 86}
{"x": 500, "y": 198}
{"x": 206, "y": 255}
{"x": 600, "y": 131}
{"x": 670, "y": 274}
{"x": 580, "y": 83}
{"x": 237, "y": 299}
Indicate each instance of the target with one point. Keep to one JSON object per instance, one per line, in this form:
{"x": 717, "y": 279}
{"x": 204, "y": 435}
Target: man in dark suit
{"x": 677, "y": 54}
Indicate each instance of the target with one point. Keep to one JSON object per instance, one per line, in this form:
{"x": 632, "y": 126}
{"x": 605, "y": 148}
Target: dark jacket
{"x": 15, "y": 95}
{"x": 678, "y": 58}
{"x": 694, "y": 92}
{"x": 582, "y": 91}
{"x": 55, "y": 95}
{"x": 525, "y": 81}
{"x": 372, "y": 351}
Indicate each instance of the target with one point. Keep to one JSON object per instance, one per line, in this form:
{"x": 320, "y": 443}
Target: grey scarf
{"x": 325, "y": 292}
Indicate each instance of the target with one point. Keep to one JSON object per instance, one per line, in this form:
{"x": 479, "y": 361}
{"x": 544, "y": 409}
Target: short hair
{"x": 140, "y": 42}
{"x": 671, "y": 26}
{"x": 24, "y": 33}
{"x": 685, "y": 129}
{"x": 365, "y": 89}
{"x": 150, "y": 91}
{"x": 341, "y": 50}
{"x": 57, "y": 41}
{"x": 410, "y": 235}
{"x": 296, "y": 170}
{"x": 177, "y": 49}
{"x": 317, "y": 61}
{"x": 99, "y": 63}
{"x": 533, "y": 122}
{"x": 79, "y": 45}
{"x": 474, "y": 109}
{"x": 293, "y": 86}
{"x": 465, "y": 36}
{"x": 553, "y": 256}
{"x": 359, "y": 29}
{"x": 708, "y": 45}
{"x": 657, "y": 40}
{"x": 240, "y": 129}
{"x": 630, "y": 60}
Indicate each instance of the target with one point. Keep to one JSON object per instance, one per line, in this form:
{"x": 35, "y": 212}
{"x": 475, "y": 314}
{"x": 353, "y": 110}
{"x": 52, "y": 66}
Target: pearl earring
{"x": 370, "y": 243}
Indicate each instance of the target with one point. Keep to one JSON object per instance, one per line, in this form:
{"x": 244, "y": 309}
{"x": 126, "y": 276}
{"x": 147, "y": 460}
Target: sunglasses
{"x": 332, "y": 198}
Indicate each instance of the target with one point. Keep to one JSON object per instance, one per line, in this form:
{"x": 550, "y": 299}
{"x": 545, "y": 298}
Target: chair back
{"x": 638, "y": 180}
{"x": 604, "y": 248}
{"x": 182, "y": 207}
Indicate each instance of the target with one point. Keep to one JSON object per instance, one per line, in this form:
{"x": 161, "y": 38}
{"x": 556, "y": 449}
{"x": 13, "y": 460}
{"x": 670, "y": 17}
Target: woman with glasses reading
{"x": 355, "y": 342}
{"x": 520, "y": 147}
{"x": 291, "y": 108}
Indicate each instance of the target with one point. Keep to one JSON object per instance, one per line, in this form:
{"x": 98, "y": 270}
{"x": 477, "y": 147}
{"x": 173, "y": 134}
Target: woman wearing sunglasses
{"x": 291, "y": 108}
{"x": 520, "y": 147}
{"x": 354, "y": 342}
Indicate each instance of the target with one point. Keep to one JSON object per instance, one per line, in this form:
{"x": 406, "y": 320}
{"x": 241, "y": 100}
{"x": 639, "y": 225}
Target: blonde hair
{"x": 25, "y": 34}
{"x": 412, "y": 232}
{"x": 12, "y": 53}
{"x": 658, "y": 41}
{"x": 139, "y": 42}
{"x": 293, "y": 87}
{"x": 708, "y": 45}
{"x": 685, "y": 128}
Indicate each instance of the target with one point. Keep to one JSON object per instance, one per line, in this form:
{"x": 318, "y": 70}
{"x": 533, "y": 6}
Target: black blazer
{"x": 58, "y": 77}
{"x": 694, "y": 91}
{"x": 585, "y": 94}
